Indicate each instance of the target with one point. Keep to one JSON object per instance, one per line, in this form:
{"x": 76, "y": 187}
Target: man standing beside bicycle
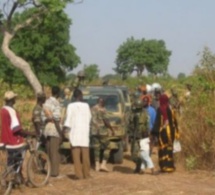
{"x": 11, "y": 128}
{"x": 10, "y": 122}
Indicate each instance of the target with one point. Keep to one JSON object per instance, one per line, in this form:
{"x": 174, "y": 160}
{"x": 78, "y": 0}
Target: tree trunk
{"x": 20, "y": 63}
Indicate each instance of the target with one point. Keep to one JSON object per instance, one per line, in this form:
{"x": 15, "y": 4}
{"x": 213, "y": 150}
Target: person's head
{"x": 78, "y": 95}
{"x": 101, "y": 102}
{"x": 145, "y": 101}
{"x": 41, "y": 98}
{"x": 56, "y": 91}
{"x": 143, "y": 90}
{"x": 67, "y": 92}
{"x": 10, "y": 98}
{"x": 157, "y": 93}
{"x": 81, "y": 74}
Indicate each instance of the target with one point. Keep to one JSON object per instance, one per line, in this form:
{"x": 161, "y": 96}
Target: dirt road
{"x": 122, "y": 181}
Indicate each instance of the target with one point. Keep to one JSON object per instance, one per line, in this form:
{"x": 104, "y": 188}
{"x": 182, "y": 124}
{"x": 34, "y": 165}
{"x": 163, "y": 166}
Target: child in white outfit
{"x": 145, "y": 153}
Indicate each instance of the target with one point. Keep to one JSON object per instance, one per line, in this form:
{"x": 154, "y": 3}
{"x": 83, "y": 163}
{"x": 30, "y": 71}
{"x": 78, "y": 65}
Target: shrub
{"x": 197, "y": 123}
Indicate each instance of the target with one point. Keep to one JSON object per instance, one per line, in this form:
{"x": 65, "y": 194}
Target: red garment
{"x": 8, "y": 135}
{"x": 164, "y": 103}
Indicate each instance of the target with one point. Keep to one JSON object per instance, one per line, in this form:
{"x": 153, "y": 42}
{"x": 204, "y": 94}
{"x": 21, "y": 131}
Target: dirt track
{"x": 122, "y": 181}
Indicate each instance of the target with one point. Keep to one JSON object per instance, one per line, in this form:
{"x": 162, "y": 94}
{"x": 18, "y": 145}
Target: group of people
{"x": 51, "y": 124}
{"x": 153, "y": 121}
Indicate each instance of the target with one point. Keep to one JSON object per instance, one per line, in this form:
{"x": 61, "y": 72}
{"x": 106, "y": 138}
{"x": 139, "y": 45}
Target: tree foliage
{"x": 36, "y": 41}
{"x": 91, "y": 72}
{"x": 181, "y": 75}
{"x": 138, "y": 55}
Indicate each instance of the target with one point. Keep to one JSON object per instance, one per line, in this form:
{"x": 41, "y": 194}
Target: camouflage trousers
{"x": 101, "y": 143}
{"x": 135, "y": 151}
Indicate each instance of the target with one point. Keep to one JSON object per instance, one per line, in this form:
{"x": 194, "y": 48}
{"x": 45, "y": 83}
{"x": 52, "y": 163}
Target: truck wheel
{"x": 118, "y": 154}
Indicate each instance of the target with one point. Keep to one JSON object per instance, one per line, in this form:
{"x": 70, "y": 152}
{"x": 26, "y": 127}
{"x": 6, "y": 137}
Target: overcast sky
{"x": 101, "y": 26}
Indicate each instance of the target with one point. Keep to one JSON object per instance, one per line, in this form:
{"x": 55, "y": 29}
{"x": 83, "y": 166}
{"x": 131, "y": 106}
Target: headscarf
{"x": 164, "y": 103}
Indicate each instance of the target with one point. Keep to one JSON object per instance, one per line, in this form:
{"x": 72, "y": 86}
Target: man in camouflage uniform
{"x": 80, "y": 80}
{"x": 139, "y": 124}
{"x": 37, "y": 117}
{"x": 100, "y": 134}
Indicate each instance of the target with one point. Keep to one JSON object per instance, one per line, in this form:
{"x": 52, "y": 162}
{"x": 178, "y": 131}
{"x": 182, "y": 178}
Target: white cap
{"x": 156, "y": 86}
{"x": 9, "y": 95}
{"x": 148, "y": 88}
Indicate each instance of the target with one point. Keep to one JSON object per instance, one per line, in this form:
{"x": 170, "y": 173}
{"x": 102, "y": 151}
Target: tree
{"x": 35, "y": 40}
{"x": 138, "y": 55}
{"x": 181, "y": 75}
{"x": 111, "y": 77}
{"x": 91, "y": 72}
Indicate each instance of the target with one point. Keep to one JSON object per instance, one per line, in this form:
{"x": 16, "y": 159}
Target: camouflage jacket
{"x": 140, "y": 122}
{"x": 37, "y": 117}
{"x": 78, "y": 83}
{"x": 97, "y": 123}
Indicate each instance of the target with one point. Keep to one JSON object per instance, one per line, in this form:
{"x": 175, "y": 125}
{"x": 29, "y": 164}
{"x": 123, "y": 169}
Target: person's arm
{"x": 37, "y": 126}
{"x": 48, "y": 114}
{"x": 58, "y": 128}
{"x": 108, "y": 125}
{"x": 25, "y": 133}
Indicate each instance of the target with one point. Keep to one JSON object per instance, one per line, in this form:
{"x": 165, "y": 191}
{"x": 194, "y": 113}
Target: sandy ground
{"x": 121, "y": 180}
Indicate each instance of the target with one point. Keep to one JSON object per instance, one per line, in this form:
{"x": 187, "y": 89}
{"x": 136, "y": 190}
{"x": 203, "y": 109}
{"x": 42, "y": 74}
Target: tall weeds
{"x": 198, "y": 117}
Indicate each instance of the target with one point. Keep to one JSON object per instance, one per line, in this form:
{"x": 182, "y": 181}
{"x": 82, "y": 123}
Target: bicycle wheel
{"x": 6, "y": 182}
{"x": 38, "y": 169}
{"x": 8, "y": 189}
{"x": 5, "y": 175}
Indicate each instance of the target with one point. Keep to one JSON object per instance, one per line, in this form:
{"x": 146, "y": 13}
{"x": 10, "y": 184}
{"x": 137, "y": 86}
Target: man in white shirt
{"x": 78, "y": 119}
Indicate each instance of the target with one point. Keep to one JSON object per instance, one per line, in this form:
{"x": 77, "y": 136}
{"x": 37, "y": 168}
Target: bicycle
{"x": 38, "y": 166}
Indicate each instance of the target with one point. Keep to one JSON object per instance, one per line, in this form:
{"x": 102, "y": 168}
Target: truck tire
{"x": 118, "y": 154}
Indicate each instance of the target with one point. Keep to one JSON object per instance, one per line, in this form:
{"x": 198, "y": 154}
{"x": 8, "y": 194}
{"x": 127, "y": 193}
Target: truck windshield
{"x": 111, "y": 101}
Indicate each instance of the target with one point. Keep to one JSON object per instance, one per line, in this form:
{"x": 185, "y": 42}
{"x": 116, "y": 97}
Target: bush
{"x": 198, "y": 124}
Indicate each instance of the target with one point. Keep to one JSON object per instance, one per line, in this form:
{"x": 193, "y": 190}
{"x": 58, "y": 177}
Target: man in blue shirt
{"x": 151, "y": 111}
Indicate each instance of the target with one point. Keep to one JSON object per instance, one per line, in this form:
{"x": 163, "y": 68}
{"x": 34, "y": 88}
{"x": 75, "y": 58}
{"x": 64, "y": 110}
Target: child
{"x": 145, "y": 153}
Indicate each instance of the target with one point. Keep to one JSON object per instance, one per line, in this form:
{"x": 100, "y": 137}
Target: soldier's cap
{"x": 9, "y": 95}
{"x": 81, "y": 73}
{"x": 41, "y": 95}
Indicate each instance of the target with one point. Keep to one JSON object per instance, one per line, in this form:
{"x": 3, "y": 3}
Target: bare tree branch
{"x": 36, "y": 3}
{"x": 15, "y": 5}
{"x": 28, "y": 21}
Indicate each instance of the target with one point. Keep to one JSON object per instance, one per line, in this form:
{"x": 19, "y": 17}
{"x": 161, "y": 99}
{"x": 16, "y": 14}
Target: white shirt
{"x": 144, "y": 144}
{"x": 78, "y": 119}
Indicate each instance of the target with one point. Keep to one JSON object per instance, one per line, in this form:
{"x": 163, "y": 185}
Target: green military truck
{"x": 116, "y": 107}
